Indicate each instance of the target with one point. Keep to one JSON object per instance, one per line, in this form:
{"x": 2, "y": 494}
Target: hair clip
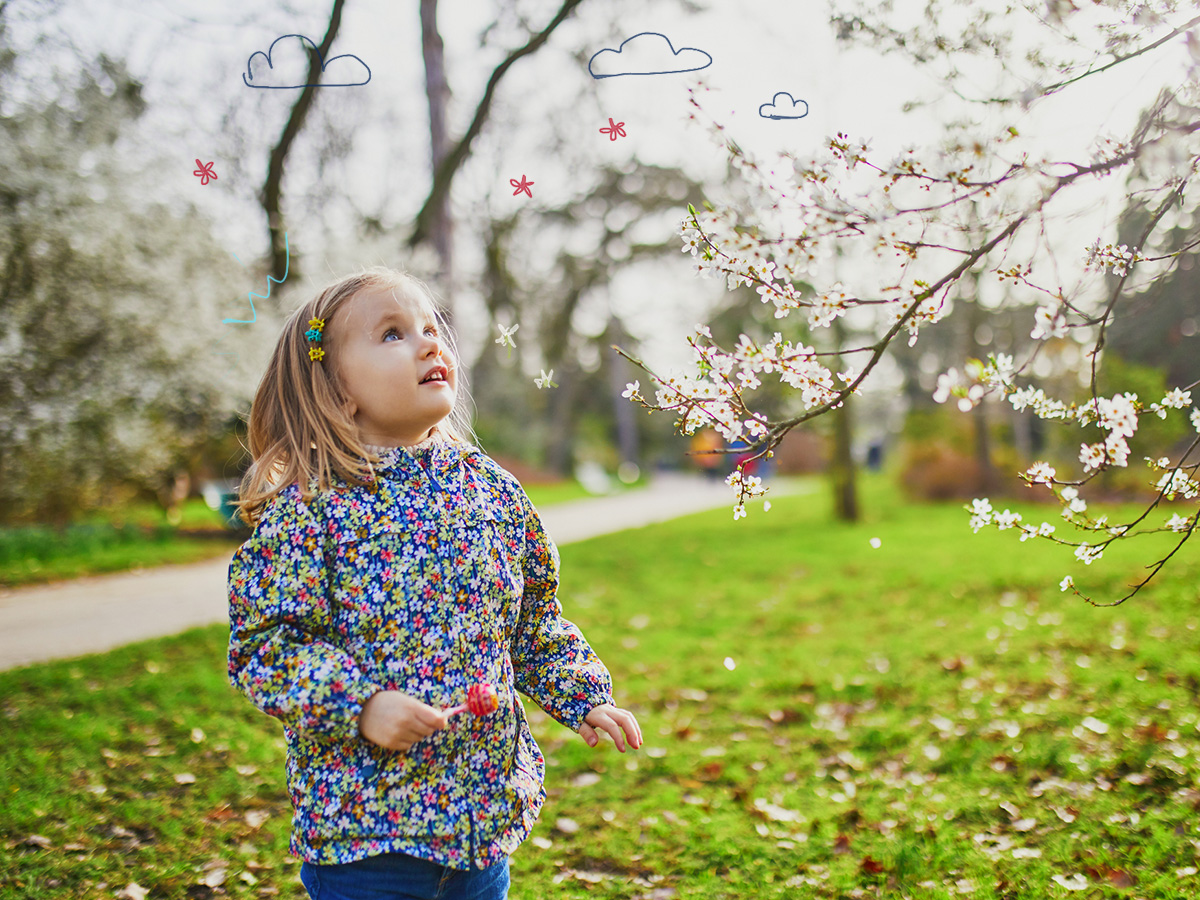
{"x": 314, "y": 334}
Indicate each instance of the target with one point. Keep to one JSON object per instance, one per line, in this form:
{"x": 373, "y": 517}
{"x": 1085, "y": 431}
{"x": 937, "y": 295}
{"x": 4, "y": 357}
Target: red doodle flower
{"x": 522, "y": 185}
{"x": 614, "y": 130}
{"x": 205, "y": 171}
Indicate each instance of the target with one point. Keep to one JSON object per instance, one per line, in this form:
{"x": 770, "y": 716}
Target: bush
{"x": 936, "y": 471}
{"x": 42, "y": 543}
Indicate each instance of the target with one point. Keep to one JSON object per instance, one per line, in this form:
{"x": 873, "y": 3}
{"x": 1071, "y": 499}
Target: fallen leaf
{"x": 841, "y": 844}
{"x": 256, "y": 817}
{"x": 871, "y": 866}
{"x": 1072, "y": 883}
{"x": 36, "y": 840}
{"x": 215, "y": 878}
{"x": 566, "y": 826}
{"x": 133, "y": 891}
{"x": 1118, "y": 878}
{"x": 185, "y": 778}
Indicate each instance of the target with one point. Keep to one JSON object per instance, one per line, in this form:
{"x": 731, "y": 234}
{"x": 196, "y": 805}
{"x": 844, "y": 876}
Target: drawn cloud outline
{"x": 670, "y": 46}
{"x": 775, "y": 99}
{"x": 325, "y": 63}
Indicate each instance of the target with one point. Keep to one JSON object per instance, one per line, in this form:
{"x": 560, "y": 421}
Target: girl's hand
{"x": 396, "y": 721}
{"x": 615, "y": 721}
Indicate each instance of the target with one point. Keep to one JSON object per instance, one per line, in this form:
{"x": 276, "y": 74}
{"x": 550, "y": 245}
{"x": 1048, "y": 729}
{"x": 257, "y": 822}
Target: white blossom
{"x": 981, "y": 514}
{"x": 1007, "y": 519}
{"x": 1178, "y": 523}
{"x": 1092, "y": 456}
{"x": 1040, "y": 473}
{"x": 1048, "y": 323}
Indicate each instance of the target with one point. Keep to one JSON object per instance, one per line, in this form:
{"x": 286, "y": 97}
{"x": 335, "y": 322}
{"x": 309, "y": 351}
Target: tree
{"x": 542, "y": 266}
{"x": 105, "y": 387}
{"x": 920, "y": 224}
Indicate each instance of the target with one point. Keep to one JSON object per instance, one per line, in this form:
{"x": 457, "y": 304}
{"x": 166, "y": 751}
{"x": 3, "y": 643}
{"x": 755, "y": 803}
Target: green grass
{"x": 896, "y": 722}
{"x": 130, "y": 538}
{"x": 569, "y": 489}
{"x": 140, "y": 536}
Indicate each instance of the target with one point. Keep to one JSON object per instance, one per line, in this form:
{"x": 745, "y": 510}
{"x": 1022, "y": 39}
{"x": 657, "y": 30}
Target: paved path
{"x": 90, "y": 615}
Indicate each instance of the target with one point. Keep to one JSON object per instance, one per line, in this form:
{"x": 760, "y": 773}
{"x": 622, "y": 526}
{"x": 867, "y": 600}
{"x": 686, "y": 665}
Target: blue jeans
{"x": 398, "y": 876}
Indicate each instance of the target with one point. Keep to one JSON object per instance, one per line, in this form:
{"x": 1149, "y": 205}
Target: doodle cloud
{"x": 646, "y": 54}
{"x": 289, "y": 61}
{"x": 778, "y": 109}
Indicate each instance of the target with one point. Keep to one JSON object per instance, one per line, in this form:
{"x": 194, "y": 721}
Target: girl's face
{"x": 387, "y": 344}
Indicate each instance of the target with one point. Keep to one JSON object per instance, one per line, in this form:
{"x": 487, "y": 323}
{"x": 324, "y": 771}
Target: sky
{"x": 192, "y": 57}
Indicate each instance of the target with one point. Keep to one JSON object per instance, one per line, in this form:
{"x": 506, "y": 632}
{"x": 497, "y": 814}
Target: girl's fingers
{"x": 630, "y": 725}
{"x": 614, "y": 731}
{"x": 588, "y": 733}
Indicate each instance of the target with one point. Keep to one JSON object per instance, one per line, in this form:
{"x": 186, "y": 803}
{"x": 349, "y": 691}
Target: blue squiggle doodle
{"x": 287, "y": 263}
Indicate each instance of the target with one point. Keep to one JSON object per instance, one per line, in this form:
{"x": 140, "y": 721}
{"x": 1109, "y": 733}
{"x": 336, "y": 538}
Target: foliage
{"x": 105, "y": 385}
{"x": 982, "y": 205}
{"x": 916, "y": 719}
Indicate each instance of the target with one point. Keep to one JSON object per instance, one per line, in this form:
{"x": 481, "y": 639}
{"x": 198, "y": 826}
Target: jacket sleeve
{"x": 280, "y": 653}
{"x": 553, "y": 663}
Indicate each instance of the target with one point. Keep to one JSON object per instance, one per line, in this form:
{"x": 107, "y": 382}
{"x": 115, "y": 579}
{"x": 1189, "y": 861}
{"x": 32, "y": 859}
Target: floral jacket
{"x": 438, "y": 576}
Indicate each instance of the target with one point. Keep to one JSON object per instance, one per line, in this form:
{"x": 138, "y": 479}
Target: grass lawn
{"x": 140, "y": 536}
{"x": 929, "y": 719}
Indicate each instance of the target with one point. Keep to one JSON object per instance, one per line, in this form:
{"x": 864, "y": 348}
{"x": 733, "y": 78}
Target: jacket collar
{"x": 435, "y": 453}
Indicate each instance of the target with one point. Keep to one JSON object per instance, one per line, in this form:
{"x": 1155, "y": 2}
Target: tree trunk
{"x": 562, "y": 422}
{"x": 272, "y": 191}
{"x": 437, "y": 90}
{"x": 843, "y": 471}
{"x": 624, "y": 411}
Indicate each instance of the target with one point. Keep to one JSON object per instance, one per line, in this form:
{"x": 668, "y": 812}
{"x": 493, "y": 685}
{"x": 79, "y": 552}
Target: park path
{"x": 98, "y": 613}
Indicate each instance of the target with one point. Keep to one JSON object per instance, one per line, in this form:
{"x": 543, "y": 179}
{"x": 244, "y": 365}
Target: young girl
{"x": 393, "y": 566}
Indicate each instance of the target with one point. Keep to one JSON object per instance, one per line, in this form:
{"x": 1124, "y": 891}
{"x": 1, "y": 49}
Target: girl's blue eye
{"x": 397, "y": 333}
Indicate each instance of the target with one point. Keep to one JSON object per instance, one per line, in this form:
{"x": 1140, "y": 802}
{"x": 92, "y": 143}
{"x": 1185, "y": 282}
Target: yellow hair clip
{"x": 314, "y": 334}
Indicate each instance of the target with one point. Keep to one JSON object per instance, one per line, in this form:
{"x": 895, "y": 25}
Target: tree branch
{"x": 445, "y": 171}
{"x": 272, "y": 188}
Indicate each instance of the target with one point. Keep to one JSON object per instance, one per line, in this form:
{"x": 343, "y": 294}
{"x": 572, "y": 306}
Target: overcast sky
{"x": 192, "y": 55}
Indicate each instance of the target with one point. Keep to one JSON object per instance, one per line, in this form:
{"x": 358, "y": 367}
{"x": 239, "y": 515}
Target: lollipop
{"x": 481, "y": 700}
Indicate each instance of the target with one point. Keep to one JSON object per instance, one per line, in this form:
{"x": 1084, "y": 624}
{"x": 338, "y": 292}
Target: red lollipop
{"x": 481, "y": 700}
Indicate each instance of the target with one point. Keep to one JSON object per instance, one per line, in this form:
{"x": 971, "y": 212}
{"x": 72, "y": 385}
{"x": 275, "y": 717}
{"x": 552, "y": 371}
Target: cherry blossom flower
{"x": 1040, "y": 473}
{"x": 981, "y": 514}
{"x": 1092, "y": 456}
{"x": 1048, "y": 323}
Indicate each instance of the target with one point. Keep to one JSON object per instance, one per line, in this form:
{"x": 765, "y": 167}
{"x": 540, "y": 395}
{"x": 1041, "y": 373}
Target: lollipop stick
{"x": 462, "y": 707}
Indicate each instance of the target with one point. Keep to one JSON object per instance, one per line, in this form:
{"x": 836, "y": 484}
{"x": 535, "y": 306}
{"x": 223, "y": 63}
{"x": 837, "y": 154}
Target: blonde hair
{"x": 299, "y": 427}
